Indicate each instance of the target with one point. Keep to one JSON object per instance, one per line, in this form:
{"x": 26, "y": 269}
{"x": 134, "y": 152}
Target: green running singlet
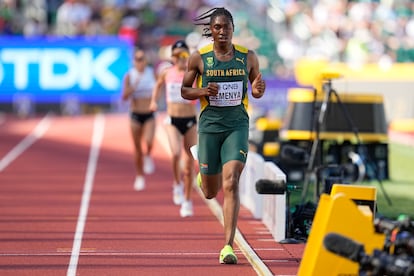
{"x": 228, "y": 110}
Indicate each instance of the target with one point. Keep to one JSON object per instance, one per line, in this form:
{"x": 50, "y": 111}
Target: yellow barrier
{"x": 363, "y": 196}
{"x": 308, "y": 71}
{"x": 340, "y": 213}
{"x": 271, "y": 149}
{"x": 264, "y": 124}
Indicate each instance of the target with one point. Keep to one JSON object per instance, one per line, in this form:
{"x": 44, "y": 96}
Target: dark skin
{"x": 222, "y": 33}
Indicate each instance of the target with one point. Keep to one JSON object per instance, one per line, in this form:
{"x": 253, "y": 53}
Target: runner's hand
{"x": 212, "y": 89}
{"x": 153, "y": 106}
{"x": 258, "y": 86}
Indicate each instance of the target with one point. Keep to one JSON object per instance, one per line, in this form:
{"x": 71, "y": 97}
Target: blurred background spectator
{"x": 73, "y": 17}
{"x": 280, "y": 31}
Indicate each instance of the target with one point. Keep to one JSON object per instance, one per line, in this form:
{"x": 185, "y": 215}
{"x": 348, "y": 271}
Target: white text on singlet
{"x": 229, "y": 94}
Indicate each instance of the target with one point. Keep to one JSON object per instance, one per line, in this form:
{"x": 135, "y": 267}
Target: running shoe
{"x": 194, "y": 151}
{"x": 227, "y": 255}
{"x": 178, "y": 194}
{"x": 186, "y": 209}
{"x": 149, "y": 167}
{"x": 199, "y": 180}
{"x": 139, "y": 184}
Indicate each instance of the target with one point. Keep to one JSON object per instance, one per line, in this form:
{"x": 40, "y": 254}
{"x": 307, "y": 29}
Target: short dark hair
{"x": 180, "y": 44}
{"x": 212, "y": 14}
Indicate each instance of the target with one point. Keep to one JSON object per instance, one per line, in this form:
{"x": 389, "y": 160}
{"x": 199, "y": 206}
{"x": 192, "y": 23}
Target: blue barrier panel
{"x": 49, "y": 68}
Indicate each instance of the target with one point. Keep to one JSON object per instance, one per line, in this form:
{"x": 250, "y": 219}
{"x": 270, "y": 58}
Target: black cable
{"x": 356, "y": 133}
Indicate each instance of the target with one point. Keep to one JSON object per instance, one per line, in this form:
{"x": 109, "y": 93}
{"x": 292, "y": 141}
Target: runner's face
{"x": 180, "y": 58}
{"x": 139, "y": 60}
{"x": 222, "y": 29}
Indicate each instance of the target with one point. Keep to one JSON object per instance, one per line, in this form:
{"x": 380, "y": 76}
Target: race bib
{"x": 229, "y": 94}
{"x": 174, "y": 93}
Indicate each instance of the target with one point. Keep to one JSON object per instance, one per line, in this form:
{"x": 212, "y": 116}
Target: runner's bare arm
{"x": 156, "y": 90}
{"x": 195, "y": 68}
{"x": 127, "y": 88}
{"x": 255, "y": 77}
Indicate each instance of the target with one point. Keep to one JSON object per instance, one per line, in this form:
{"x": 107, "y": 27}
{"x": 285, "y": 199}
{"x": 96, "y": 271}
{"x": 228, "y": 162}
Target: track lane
{"x": 40, "y": 195}
{"x": 144, "y": 229}
{"x": 96, "y": 141}
{"x": 25, "y": 143}
{"x": 126, "y": 232}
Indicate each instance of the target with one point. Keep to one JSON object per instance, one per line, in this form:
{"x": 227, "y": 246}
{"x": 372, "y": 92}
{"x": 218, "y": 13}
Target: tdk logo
{"x": 61, "y": 68}
{"x": 49, "y": 69}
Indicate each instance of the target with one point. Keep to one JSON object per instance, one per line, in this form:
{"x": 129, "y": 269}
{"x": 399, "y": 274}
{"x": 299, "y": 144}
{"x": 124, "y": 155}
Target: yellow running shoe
{"x": 227, "y": 255}
{"x": 199, "y": 180}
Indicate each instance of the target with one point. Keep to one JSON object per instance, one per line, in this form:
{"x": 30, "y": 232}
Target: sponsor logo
{"x": 49, "y": 69}
{"x": 61, "y": 68}
{"x": 240, "y": 60}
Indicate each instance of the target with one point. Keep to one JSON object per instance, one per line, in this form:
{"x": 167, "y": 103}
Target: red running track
{"x": 67, "y": 207}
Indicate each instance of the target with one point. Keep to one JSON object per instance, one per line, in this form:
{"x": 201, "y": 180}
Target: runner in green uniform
{"x": 222, "y": 71}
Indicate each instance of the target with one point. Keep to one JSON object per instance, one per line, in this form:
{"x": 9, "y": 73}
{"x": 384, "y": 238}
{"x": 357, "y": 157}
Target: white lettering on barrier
{"x": 48, "y": 79}
{"x": 81, "y": 68}
{"x": 98, "y": 68}
{"x": 21, "y": 58}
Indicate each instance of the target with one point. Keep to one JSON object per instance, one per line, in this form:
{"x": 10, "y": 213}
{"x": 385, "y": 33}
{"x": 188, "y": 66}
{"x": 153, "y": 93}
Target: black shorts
{"x": 183, "y": 124}
{"x": 141, "y": 118}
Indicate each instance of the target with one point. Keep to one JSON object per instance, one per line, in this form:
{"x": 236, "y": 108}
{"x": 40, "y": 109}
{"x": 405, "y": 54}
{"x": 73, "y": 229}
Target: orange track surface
{"x": 43, "y": 176}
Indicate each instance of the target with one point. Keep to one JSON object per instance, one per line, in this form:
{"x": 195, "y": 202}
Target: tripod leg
{"x": 355, "y": 130}
{"x": 289, "y": 237}
{"x": 309, "y": 169}
{"x": 315, "y": 144}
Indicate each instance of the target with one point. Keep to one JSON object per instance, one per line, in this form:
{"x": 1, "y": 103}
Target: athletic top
{"x": 146, "y": 81}
{"x": 227, "y": 110}
{"x": 173, "y": 82}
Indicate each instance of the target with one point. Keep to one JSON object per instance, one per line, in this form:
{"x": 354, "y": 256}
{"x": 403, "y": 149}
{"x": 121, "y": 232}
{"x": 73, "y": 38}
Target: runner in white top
{"x": 137, "y": 88}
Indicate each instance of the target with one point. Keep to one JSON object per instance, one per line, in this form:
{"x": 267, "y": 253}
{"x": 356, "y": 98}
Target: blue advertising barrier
{"x": 274, "y": 101}
{"x": 49, "y": 68}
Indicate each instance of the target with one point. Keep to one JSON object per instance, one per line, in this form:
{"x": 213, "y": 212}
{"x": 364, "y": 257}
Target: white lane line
{"x": 24, "y": 144}
{"x": 280, "y": 261}
{"x": 98, "y": 133}
{"x": 266, "y": 240}
{"x": 257, "y": 264}
{"x": 89, "y": 253}
{"x": 269, "y": 249}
